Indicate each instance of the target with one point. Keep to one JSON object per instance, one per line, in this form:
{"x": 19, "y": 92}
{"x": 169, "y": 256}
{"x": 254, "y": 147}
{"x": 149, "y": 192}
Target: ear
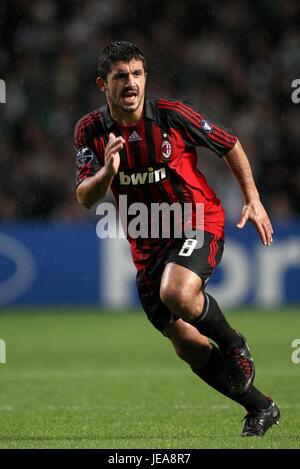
{"x": 101, "y": 84}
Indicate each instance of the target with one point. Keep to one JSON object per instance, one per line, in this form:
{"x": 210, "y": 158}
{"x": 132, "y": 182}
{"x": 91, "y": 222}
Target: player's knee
{"x": 182, "y": 301}
{"x": 169, "y": 295}
{"x": 178, "y": 299}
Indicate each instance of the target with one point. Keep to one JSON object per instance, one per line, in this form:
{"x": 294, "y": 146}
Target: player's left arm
{"x": 253, "y": 210}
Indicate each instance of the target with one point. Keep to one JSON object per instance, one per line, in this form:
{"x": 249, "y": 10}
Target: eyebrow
{"x": 126, "y": 72}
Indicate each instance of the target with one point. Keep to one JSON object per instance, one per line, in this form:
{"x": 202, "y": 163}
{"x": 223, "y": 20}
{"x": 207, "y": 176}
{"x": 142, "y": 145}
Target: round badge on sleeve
{"x": 206, "y": 126}
{"x": 84, "y": 156}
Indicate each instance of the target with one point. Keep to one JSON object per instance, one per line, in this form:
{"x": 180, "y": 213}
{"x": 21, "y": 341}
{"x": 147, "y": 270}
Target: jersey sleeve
{"x": 199, "y": 130}
{"x": 87, "y": 157}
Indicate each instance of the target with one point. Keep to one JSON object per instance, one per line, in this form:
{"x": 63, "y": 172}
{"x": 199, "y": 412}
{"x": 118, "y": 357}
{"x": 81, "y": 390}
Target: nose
{"x": 130, "y": 80}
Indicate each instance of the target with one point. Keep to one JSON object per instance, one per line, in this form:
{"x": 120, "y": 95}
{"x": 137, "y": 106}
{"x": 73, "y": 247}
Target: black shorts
{"x": 201, "y": 261}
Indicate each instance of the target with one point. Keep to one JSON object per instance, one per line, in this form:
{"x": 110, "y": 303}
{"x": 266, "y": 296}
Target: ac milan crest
{"x": 166, "y": 149}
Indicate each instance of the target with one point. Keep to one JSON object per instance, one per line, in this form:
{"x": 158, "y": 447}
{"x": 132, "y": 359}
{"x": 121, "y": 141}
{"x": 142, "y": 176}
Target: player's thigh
{"x": 189, "y": 265}
{"x": 195, "y": 262}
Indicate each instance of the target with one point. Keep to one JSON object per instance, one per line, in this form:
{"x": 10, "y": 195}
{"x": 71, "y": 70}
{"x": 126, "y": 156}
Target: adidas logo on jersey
{"x": 142, "y": 178}
{"x": 134, "y": 137}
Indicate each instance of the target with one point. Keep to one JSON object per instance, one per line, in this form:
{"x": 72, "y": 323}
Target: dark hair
{"x": 118, "y": 51}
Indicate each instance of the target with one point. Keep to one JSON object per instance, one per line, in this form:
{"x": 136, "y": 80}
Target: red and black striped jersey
{"x": 158, "y": 162}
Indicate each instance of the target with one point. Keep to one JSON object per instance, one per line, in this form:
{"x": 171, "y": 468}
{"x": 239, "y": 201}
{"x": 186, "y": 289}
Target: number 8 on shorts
{"x": 188, "y": 247}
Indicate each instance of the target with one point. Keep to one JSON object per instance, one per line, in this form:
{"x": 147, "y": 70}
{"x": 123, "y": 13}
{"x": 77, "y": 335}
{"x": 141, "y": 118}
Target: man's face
{"x": 125, "y": 86}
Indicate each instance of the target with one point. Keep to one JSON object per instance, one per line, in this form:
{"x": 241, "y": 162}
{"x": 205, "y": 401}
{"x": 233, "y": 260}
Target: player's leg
{"x": 191, "y": 346}
{"x": 181, "y": 291}
{"x": 205, "y": 359}
{"x": 207, "y": 362}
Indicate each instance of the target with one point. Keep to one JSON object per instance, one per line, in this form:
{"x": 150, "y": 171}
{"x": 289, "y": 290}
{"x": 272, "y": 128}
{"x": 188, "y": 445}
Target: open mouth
{"x": 128, "y": 97}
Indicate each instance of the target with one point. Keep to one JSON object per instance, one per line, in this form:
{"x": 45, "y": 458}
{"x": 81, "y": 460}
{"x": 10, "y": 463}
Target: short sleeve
{"x": 197, "y": 129}
{"x": 87, "y": 159}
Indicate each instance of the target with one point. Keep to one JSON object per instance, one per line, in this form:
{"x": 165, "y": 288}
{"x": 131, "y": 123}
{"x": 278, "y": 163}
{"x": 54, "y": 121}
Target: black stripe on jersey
{"x": 164, "y": 194}
{"x": 134, "y": 151}
{"x": 89, "y": 132}
{"x": 100, "y": 128}
{"x": 145, "y": 192}
{"x": 177, "y": 185}
{"x": 84, "y": 132}
{"x": 150, "y": 142}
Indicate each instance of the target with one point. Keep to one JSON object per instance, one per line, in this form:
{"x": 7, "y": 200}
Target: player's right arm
{"x": 94, "y": 188}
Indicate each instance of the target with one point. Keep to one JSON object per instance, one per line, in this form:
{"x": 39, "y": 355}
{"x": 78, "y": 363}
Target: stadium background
{"x": 235, "y": 60}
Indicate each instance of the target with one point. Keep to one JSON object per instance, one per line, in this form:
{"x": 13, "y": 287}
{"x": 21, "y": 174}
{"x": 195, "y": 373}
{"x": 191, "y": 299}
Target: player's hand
{"x": 111, "y": 154}
{"x": 255, "y": 212}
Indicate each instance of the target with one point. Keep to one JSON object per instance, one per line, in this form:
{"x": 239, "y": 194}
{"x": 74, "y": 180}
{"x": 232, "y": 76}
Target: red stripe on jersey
{"x": 156, "y": 132}
{"x": 99, "y": 144}
{"x": 166, "y": 184}
{"x": 79, "y": 137}
{"x": 179, "y": 106}
{"x": 193, "y": 120}
{"x": 224, "y": 133}
{"x": 220, "y": 132}
{"x": 84, "y": 172}
{"x": 226, "y": 140}
{"x": 164, "y": 191}
{"x": 220, "y": 140}
{"x": 227, "y": 137}
{"x": 89, "y": 120}
{"x": 183, "y": 106}
{"x": 213, "y": 249}
{"x": 85, "y": 121}
{"x": 185, "y": 110}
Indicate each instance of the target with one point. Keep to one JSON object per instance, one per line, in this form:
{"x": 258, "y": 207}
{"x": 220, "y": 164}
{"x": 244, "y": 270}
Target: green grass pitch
{"x": 84, "y": 379}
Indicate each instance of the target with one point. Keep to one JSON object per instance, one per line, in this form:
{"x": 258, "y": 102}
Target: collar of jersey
{"x": 150, "y": 112}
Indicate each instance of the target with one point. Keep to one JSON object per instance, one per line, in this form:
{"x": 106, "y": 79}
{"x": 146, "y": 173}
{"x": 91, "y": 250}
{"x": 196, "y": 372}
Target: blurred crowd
{"x": 234, "y": 60}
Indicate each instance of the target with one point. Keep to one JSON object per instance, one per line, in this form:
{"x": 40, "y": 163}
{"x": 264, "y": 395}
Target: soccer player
{"x": 145, "y": 148}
